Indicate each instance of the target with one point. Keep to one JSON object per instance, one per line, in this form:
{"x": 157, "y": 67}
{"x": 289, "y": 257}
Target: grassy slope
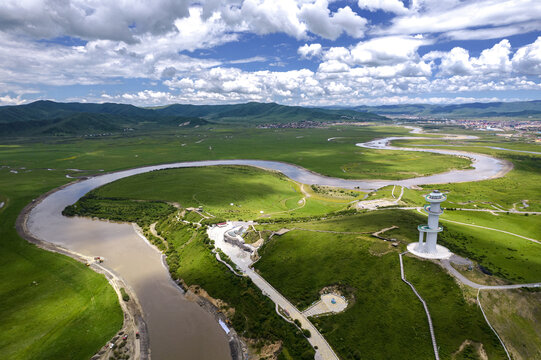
{"x": 375, "y": 326}
{"x": 516, "y": 315}
{"x": 372, "y": 327}
{"x": 509, "y": 257}
{"x": 254, "y": 315}
{"x": 70, "y": 311}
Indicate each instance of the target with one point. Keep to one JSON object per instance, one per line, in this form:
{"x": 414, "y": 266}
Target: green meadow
{"x": 385, "y": 319}
{"x": 52, "y": 306}
{"x": 308, "y": 148}
{"x": 231, "y": 192}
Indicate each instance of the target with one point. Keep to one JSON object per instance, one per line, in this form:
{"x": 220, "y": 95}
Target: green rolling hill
{"x": 52, "y": 118}
{"x": 520, "y": 109}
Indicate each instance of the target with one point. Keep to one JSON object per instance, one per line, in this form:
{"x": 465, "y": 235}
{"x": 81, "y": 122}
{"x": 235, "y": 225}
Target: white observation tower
{"x": 427, "y": 246}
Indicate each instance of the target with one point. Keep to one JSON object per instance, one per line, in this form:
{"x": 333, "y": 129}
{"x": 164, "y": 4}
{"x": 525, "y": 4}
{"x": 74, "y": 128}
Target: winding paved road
{"x": 447, "y": 265}
{"x": 324, "y": 350}
{"x": 242, "y": 260}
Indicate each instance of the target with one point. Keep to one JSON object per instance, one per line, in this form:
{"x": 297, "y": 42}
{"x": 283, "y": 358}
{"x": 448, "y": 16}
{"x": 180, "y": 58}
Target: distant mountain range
{"x": 52, "y": 118}
{"x": 521, "y": 109}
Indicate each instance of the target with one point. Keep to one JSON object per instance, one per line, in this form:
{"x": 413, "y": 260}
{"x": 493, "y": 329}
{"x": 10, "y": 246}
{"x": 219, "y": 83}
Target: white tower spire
{"x": 428, "y": 234}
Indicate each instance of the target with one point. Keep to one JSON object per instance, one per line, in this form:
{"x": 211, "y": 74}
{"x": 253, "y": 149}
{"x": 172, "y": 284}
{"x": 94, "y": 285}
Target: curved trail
{"x": 447, "y": 265}
{"x": 420, "y": 210}
{"x": 162, "y": 303}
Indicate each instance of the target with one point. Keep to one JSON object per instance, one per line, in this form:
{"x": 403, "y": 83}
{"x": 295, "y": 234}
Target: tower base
{"x": 441, "y": 252}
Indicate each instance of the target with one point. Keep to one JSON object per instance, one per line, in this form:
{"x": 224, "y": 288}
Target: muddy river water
{"x": 178, "y": 328}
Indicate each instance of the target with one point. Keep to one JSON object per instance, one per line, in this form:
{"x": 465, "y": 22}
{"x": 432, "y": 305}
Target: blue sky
{"x": 304, "y": 52}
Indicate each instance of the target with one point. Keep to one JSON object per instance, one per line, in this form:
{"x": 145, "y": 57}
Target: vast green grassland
{"x": 232, "y": 192}
{"x": 71, "y": 310}
{"x": 305, "y": 147}
{"x": 46, "y": 321}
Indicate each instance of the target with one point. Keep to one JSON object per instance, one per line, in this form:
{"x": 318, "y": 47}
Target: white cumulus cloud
{"x": 527, "y": 59}
{"x": 394, "y": 6}
{"x": 309, "y": 51}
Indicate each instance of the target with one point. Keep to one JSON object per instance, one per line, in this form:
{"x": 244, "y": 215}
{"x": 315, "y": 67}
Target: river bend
{"x": 179, "y": 328}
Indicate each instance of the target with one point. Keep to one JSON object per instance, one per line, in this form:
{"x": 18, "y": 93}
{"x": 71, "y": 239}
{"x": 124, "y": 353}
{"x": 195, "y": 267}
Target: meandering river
{"x": 180, "y": 329}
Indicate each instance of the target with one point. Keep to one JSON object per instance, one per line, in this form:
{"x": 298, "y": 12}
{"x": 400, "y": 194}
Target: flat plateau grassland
{"x": 231, "y": 192}
{"x": 308, "y": 148}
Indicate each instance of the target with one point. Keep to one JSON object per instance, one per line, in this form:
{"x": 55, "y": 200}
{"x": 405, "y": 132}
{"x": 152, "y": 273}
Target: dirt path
{"x": 153, "y": 231}
{"x": 333, "y": 232}
{"x": 304, "y": 192}
{"x": 301, "y": 201}
{"x": 379, "y": 232}
{"x": 400, "y": 196}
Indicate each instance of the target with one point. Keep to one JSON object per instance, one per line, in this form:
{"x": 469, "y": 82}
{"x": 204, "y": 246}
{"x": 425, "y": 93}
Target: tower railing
{"x": 426, "y": 228}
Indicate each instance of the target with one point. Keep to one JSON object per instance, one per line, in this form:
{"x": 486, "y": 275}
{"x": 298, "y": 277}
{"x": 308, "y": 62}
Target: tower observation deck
{"x": 427, "y": 246}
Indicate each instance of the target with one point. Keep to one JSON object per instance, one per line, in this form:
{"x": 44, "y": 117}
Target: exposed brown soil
{"x": 479, "y": 349}
{"x": 221, "y": 311}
